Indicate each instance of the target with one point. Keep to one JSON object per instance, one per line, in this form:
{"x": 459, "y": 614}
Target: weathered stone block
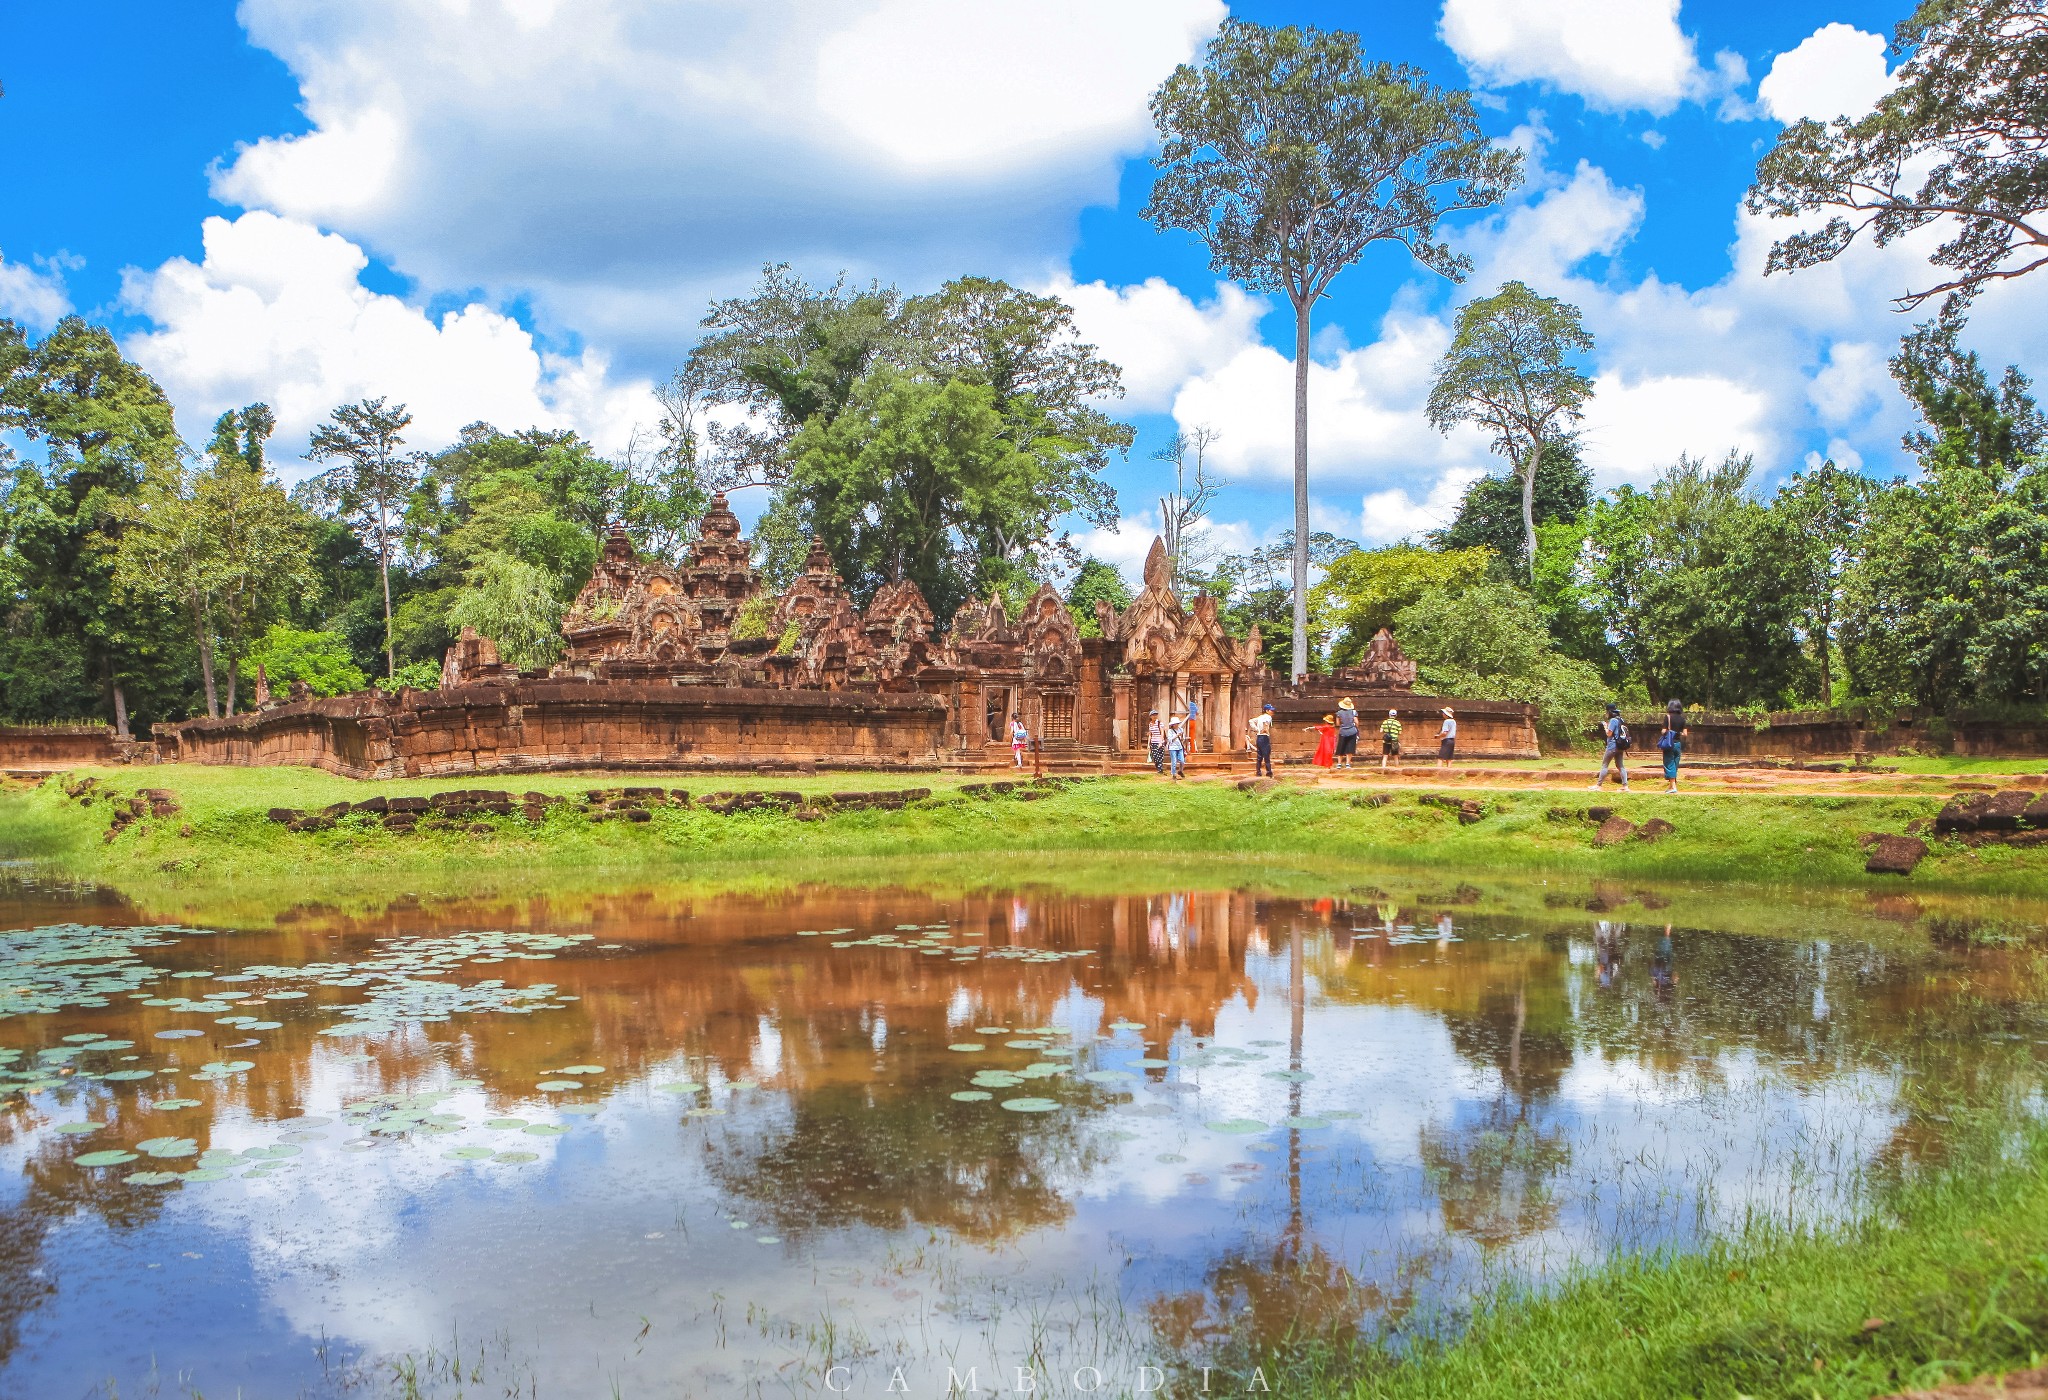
{"x": 1655, "y": 829}
{"x": 1962, "y": 812}
{"x": 1614, "y": 831}
{"x": 1895, "y": 855}
{"x": 285, "y": 816}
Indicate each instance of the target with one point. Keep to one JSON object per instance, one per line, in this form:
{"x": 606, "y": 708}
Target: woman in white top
{"x": 1446, "y": 738}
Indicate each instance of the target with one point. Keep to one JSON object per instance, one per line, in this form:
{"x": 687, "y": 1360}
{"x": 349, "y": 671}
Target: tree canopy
{"x": 1289, "y": 155}
{"x": 1959, "y": 144}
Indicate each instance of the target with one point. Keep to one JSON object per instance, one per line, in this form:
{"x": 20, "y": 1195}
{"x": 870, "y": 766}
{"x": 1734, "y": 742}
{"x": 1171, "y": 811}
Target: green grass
{"x": 1947, "y": 1279}
{"x": 1807, "y": 841}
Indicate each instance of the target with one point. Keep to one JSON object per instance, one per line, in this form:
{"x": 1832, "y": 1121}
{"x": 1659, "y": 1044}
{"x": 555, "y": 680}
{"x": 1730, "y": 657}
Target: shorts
{"x": 1347, "y": 744}
{"x": 1443, "y": 750}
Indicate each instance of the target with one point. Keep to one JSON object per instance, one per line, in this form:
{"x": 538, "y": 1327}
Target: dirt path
{"x": 2014, "y": 1385}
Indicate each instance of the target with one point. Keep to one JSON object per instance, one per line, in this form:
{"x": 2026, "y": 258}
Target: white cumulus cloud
{"x": 1836, "y": 71}
{"x": 1618, "y": 55}
{"x": 1634, "y": 430}
{"x": 34, "y": 296}
{"x": 277, "y": 312}
{"x": 619, "y": 161}
{"x": 1158, "y": 335}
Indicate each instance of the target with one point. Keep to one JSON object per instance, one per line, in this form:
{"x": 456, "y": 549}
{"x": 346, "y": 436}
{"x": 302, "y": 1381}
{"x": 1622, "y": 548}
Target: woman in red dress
{"x": 1326, "y": 746}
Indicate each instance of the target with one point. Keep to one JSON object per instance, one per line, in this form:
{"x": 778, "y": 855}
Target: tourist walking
{"x": 1614, "y": 731}
{"x": 1262, "y": 743}
{"x": 1019, "y": 737}
{"x": 1177, "y": 748}
{"x": 1155, "y": 740}
{"x": 1326, "y": 741}
{"x": 1671, "y": 743}
{"x": 1347, "y": 733}
{"x": 1446, "y": 738}
{"x": 1390, "y": 740}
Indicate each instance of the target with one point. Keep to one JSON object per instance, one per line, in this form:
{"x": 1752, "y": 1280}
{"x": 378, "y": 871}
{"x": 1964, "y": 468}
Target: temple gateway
{"x": 696, "y": 666}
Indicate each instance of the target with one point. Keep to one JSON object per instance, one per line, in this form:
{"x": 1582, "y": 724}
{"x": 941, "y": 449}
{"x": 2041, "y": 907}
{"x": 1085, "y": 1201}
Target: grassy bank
{"x": 1946, "y": 1281}
{"x": 221, "y": 832}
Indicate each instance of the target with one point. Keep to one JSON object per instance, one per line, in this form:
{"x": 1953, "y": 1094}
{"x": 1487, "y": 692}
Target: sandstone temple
{"x": 697, "y": 666}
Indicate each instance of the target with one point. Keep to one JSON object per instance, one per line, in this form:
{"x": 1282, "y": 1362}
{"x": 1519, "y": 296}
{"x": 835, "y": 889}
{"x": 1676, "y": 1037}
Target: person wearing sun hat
{"x": 1326, "y": 741}
{"x": 1446, "y": 738}
{"x": 1347, "y": 732}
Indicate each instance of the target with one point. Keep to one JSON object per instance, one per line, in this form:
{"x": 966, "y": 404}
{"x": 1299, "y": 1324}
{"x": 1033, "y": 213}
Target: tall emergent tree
{"x": 1509, "y": 369}
{"x": 370, "y": 484}
{"x": 1959, "y": 143}
{"x": 1291, "y": 155}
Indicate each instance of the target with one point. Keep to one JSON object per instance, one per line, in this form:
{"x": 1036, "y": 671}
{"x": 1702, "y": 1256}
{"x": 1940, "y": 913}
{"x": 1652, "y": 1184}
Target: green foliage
{"x": 1945, "y": 601}
{"x": 751, "y": 622}
{"x": 515, "y": 604}
{"x": 1362, "y": 591}
{"x": 320, "y": 659}
{"x": 1954, "y": 144}
{"x": 824, "y": 373}
{"x": 1096, "y": 582}
{"x": 418, "y": 675}
{"x": 1509, "y": 370}
{"x": 367, "y": 488}
{"x": 104, "y": 425}
{"x": 1488, "y": 641}
{"x": 1698, "y": 586}
{"x": 1490, "y": 512}
{"x": 911, "y": 471}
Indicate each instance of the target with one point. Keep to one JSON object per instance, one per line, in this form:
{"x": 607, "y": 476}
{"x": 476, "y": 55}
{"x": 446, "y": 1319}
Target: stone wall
{"x": 1804, "y": 734}
{"x": 41, "y": 747}
{"x": 1487, "y": 729}
{"x": 540, "y": 725}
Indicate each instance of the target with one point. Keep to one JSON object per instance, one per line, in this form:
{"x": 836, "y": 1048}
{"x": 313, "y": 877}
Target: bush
{"x": 320, "y": 659}
{"x": 419, "y": 675}
{"x": 1488, "y": 641}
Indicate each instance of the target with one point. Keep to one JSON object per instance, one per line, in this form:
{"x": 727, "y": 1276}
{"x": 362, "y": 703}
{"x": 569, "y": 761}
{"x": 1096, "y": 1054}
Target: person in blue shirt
{"x": 1615, "y": 755}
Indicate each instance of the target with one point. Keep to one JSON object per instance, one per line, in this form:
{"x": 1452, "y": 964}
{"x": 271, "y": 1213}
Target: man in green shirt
{"x": 1390, "y": 739}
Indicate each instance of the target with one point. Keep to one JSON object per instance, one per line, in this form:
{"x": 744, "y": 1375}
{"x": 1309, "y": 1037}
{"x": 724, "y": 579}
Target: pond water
{"x": 675, "y": 1144}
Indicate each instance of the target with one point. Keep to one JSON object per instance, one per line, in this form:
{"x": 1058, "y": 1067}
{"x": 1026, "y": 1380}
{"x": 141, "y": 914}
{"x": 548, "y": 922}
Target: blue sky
{"x": 515, "y": 210}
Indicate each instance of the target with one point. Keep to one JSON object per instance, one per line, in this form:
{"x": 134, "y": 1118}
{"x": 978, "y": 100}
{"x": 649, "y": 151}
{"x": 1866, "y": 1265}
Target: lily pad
{"x": 968, "y": 1047}
{"x": 1304, "y": 1122}
{"x": 208, "y": 1174}
{"x": 680, "y": 1087}
{"x": 972, "y": 1095}
{"x": 556, "y": 1086}
{"x": 470, "y": 1154}
{"x": 504, "y": 1122}
{"x": 129, "y": 1074}
{"x": 264, "y": 1154}
{"x": 176, "y": 1103}
{"x": 582, "y": 1069}
{"x": 1029, "y": 1105}
{"x": 79, "y": 1127}
{"x": 178, "y": 1034}
{"x": 153, "y": 1178}
{"x": 168, "y": 1147}
{"x": 1238, "y": 1125}
{"x": 546, "y": 1129}
{"x": 1292, "y": 1076}
{"x": 1170, "y": 1158}
{"x": 113, "y": 1157}
{"x": 515, "y": 1158}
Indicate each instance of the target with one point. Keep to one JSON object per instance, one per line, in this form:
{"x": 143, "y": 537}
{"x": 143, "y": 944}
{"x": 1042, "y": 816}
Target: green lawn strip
{"x": 1804, "y": 840}
{"x": 1947, "y": 1281}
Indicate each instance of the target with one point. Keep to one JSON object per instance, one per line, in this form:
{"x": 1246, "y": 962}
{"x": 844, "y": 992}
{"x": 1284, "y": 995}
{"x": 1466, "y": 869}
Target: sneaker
{"x": 1592, "y": 787}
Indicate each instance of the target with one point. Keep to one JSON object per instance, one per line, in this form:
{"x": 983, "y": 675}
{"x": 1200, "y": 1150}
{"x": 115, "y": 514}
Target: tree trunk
{"x": 204, "y": 635}
{"x": 1827, "y": 677}
{"x": 1529, "y": 505}
{"x": 120, "y": 707}
{"x": 234, "y": 674}
{"x": 1301, "y": 312}
{"x": 384, "y": 572}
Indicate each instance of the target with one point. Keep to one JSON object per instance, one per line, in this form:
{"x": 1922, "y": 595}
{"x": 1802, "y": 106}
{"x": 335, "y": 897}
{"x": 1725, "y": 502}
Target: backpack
{"x": 1621, "y": 735}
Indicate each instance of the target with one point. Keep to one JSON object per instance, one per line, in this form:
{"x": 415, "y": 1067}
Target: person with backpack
{"x": 1347, "y": 732}
{"x": 1671, "y": 743}
{"x": 1390, "y": 740}
{"x": 1614, "y": 729}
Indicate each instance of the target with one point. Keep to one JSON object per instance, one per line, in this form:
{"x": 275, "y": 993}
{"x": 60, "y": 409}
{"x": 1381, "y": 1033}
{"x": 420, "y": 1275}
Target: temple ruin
{"x": 696, "y": 666}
